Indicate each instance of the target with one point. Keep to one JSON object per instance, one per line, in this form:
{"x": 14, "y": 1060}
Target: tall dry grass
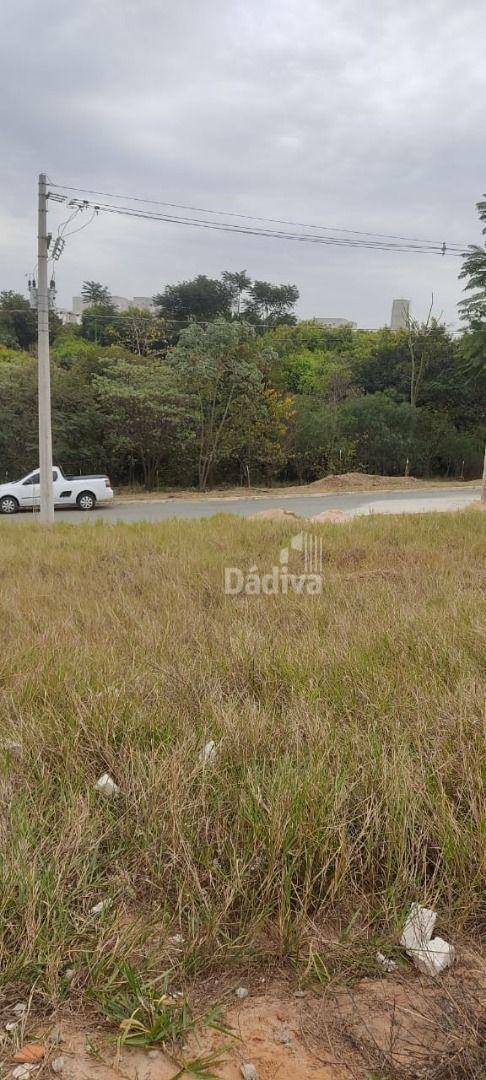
{"x": 350, "y": 730}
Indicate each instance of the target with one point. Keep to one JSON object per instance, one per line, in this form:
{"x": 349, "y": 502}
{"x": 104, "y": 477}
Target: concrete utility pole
{"x": 44, "y": 371}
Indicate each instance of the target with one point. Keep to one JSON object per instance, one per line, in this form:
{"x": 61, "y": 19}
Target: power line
{"x": 181, "y": 322}
{"x": 81, "y": 227}
{"x": 254, "y": 217}
{"x": 146, "y": 215}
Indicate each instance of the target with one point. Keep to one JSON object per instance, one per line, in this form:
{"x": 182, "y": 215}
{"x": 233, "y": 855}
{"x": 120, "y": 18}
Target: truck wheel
{"x": 86, "y": 500}
{"x": 8, "y": 505}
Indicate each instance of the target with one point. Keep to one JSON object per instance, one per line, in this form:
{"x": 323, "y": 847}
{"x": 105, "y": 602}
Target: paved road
{"x": 380, "y": 502}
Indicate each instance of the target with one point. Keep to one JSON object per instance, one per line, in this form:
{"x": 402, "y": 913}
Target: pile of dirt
{"x": 336, "y": 516}
{"x": 276, "y": 514}
{"x": 357, "y": 481}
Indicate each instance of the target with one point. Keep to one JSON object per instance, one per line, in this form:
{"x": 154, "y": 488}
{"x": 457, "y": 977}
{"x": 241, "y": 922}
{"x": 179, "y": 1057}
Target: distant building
{"x": 68, "y": 318}
{"x": 400, "y": 314}
{"x": 122, "y": 303}
{"x": 330, "y": 321}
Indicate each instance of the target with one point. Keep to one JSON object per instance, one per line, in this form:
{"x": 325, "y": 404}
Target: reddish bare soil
{"x": 396, "y": 1026}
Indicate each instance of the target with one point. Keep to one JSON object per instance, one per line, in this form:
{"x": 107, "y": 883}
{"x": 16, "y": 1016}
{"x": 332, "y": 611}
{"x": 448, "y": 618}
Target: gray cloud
{"x": 369, "y": 116}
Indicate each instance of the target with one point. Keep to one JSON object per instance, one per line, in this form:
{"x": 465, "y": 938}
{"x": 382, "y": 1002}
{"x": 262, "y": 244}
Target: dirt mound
{"x": 357, "y": 481}
{"x": 338, "y": 517}
{"x": 276, "y": 514}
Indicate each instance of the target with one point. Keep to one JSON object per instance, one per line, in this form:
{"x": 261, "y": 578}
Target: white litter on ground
{"x": 106, "y": 786}
{"x": 435, "y": 957}
{"x": 418, "y": 928}
{"x": 242, "y": 992}
{"x": 208, "y": 752}
{"x": 99, "y": 907}
{"x": 57, "y": 1065}
{"x": 430, "y": 955}
{"x": 176, "y": 939}
{"x": 386, "y": 963}
{"x": 248, "y": 1072}
{"x": 23, "y": 1071}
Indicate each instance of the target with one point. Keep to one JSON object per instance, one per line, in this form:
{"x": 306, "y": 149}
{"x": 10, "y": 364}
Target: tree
{"x": 473, "y": 308}
{"x": 271, "y": 304}
{"x": 319, "y": 445}
{"x": 144, "y": 417}
{"x": 18, "y": 321}
{"x": 238, "y": 283}
{"x": 142, "y": 332}
{"x": 98, "y": 323}
{"x": 381, "y": 430}
{"x": 93, "y": 292}
{"x": 256, "y": 436}
{"x": 18, "y": 415}
{"x": 202, "y": 298}
{"x": 218, "y": 366}
{"x": 420, "y": 345}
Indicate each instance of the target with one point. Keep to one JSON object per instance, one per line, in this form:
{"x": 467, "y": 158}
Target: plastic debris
{"x": 11, "y": 1026}
{"x": 435, "y": 957}
{"x": 430, "y": 955}
{"x": 208, "y": 752}
{"x": 176, "y": 939}
{"x": 248, "y": 1072}
{"x": 242, "y": 993}
{"x": 57, "y": 1065}
{"x": 23, "y": 1071}
{"x": 386, "y": 963}
{"x": 106, "y": 786}
{"x": 418, "y": 928}
{"x": 99, "y": 907}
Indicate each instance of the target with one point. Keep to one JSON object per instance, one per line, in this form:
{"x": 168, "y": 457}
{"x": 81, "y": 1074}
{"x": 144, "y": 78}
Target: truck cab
{"x": 81, "y": 491}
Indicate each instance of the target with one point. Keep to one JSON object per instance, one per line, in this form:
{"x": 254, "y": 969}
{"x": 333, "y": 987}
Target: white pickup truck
{"x": 81, "y": 491}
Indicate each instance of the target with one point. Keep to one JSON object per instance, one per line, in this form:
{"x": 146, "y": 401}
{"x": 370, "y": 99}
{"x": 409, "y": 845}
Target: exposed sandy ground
{"x": 343, "y": 483}
{"x": 398, "y": 1022}
{"x": 339, "y": 517}
{"x": 274, "y": 514}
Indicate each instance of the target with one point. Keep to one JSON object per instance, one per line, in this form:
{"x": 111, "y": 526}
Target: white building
{"x": 122, "y": 303}
{"x": 331, "y": 321}
{"x": 400, "y": 314}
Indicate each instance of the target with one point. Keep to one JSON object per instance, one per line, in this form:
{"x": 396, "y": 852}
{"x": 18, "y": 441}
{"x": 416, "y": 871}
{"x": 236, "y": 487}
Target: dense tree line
{"x": 221, "y": 384}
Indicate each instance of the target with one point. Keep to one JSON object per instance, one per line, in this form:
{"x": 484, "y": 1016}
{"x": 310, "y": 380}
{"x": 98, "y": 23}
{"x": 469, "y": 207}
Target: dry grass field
{"x": 350, "y": 749}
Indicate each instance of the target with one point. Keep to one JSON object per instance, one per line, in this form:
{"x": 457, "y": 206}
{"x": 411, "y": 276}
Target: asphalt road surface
{"x": 372, "y": 502}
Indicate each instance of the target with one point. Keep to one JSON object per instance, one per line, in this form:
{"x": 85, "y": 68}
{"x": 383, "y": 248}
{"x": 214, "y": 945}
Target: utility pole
{"x": 44, "y": 370}
{"x": 483, "y": 488}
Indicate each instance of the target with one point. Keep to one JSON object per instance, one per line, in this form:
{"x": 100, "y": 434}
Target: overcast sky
{"x": 357, "y": 113}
